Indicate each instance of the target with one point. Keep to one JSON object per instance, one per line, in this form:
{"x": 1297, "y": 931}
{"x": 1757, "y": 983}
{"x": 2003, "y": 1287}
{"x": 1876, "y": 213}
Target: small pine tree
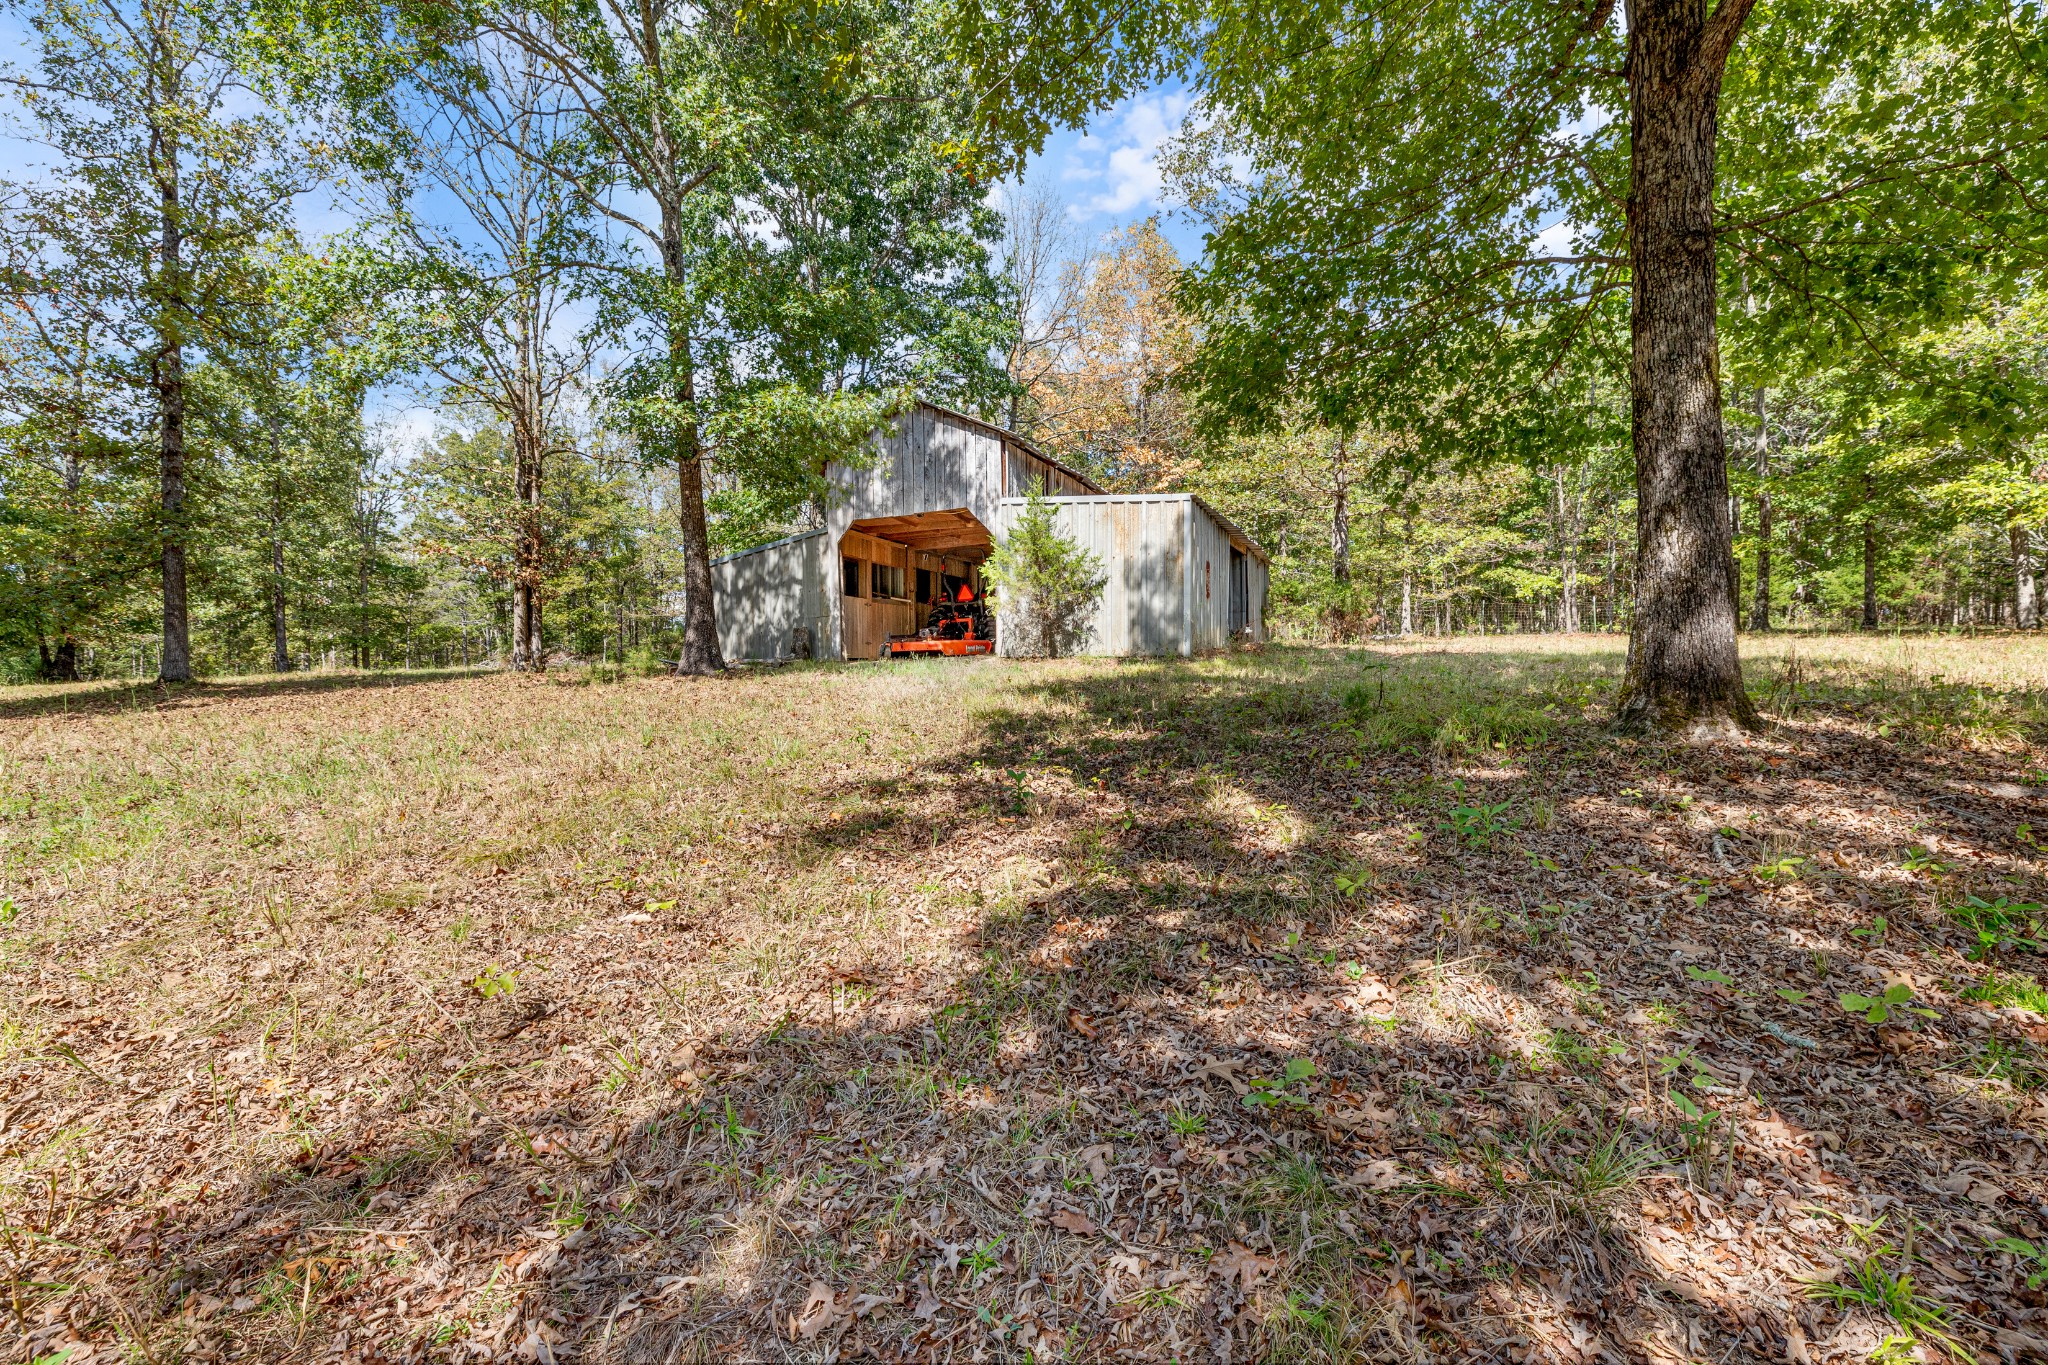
{"x": 1045, "y": 585}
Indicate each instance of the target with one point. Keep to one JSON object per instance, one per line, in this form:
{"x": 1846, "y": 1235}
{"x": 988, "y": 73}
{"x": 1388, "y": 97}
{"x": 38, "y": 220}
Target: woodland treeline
{"x": 658, "y": 264}
{"x": 1847, "y": 512}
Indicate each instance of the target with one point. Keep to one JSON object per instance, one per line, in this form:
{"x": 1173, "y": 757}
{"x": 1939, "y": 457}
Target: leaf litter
{"x": 1215, "y": 1035}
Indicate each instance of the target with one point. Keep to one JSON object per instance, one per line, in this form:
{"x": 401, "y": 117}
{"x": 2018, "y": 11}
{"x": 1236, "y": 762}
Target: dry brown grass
{"x": 911, "y": 1012}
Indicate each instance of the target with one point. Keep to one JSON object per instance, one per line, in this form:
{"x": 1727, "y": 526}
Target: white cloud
{"x": 1124, "y": 158}
{"x": 1556, "y": 240}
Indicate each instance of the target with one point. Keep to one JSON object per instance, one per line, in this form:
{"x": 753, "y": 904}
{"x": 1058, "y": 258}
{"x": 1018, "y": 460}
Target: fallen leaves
{"x": 1974, "y": 1187}
{"x": 875, "y": 1115}
{"x": 821, "y": 1312}
{"x": 1240, "y": 1263}
{"x": 1384, "y": 1174}
{"x": 1074, "y": 1221}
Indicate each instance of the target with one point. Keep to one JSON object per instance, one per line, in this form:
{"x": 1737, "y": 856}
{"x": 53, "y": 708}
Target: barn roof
{"x": 1005, "y": 434}
{"x": 1236, "y": 535}
{"x": 1231, "y": 529}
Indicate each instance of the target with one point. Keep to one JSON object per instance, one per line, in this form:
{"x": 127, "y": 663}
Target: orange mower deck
{"x": 951, "y": 649}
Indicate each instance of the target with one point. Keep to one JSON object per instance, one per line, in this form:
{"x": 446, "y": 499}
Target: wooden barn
{"x": 916, "y": 523}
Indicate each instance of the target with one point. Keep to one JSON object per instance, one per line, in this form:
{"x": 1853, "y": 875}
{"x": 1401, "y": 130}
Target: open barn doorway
{"x": 898, "y": 576}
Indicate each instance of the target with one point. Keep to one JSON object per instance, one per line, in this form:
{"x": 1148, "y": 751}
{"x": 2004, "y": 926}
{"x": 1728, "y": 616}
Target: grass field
{"x": 1305, "y": 1005}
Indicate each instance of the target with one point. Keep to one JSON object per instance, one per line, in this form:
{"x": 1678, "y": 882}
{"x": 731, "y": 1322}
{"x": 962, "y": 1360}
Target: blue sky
{"x": 1107, "y": 174}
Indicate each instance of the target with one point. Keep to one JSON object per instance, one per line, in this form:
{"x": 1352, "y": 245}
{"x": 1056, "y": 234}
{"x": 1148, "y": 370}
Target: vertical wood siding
{"x": 870, "y": 620}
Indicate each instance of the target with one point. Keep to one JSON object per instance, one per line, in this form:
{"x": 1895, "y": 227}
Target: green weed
{"x": 1271, "y": 1092}
{"x": 1895, "y": 1005}
{"x": 494, "y": 981}
{"x": 1872, "y": 1286}
{"x": 2000, "y": 990}
{"x": 1999, "y": 925}
{"x": 2032, "y": 1256}
{"x": 1477, "y": 824}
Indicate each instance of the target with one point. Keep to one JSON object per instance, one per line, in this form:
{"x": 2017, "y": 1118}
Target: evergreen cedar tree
{"x": 1046, "y": 583}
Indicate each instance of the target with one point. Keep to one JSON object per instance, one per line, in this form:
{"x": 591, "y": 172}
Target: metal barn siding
{"x": 930, "y": 460}
{"x": 1228, "y": 576}
{"x": 1260, "y": 580}
{"x": 763, "y": 595}
{"x": 1166, "y": 559}
{"x": 1179, "y": 577}
{"x": 1142, "y": 545}
{"x": 1209, "y": 580}
{"x": 926, "y": 462}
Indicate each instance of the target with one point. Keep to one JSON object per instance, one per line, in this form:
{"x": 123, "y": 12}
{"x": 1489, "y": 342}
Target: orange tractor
{"x": 958, "y": 626}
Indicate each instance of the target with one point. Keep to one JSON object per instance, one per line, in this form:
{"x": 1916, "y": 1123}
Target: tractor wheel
{"x": 886, "y": 654}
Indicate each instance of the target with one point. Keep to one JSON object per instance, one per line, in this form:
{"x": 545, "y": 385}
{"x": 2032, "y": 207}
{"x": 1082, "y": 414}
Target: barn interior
{"x": 894, "y": 570}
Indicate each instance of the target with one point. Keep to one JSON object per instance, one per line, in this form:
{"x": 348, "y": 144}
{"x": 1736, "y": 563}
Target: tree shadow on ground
{"x": 1299, "y": 1007}
{"x": 106, "y": 698}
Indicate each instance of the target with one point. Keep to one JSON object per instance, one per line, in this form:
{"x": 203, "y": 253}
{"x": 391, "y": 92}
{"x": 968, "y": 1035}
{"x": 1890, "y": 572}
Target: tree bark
{"x": 1869, "y": 573}
{"x": 1734, "y": 564}
{"x": 1570, "y": 530}
{"x": 280, "y": 644}
{"x": 519, "y": 632}
{"x": 1760, "y": 605}
{"x": 61, "y": 664}
{"x": 700, "y": 652}
{"x": 2026, "y": 608}
{"x": 527, "y": 650}
{"x": 175, "y": 664}
{"x": 529, "y": 647}
{"x": 1683, "y": 671}
{"x": 1340, "y": 520}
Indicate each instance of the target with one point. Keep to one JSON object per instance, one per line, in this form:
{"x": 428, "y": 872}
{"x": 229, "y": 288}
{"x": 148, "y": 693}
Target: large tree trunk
{"x": 519, "y": 604}
{"x": 2026, "y": 608}
{"x": 176, "y": 662}
{"x": 700, "y": 652}
{"x": 1760, "y": 601}
{"x": 1869, "y": 573}
{"x": 1340, "y": 523}
{"x": 1342, "y": 625}
{"x": 1569, "y": 531}
{"x": 1683, "y": 671}
{"x": 529, "y": 444}
{"x": 60, "y": 665}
